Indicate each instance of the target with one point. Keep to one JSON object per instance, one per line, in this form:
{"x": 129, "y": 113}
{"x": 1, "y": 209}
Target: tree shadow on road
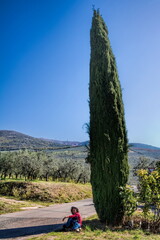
{"x": 26, "y": 231}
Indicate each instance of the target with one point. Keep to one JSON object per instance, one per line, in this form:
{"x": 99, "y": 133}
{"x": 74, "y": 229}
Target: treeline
{"x": 32, "y": 165}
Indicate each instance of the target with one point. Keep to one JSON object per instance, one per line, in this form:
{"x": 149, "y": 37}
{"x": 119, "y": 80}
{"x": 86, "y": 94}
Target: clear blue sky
{"x": 44, "y": 65}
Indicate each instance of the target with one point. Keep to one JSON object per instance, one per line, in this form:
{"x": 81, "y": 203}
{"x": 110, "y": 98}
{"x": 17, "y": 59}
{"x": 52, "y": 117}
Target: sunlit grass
{"x": 99, "y": 235}
{"x": 94, "y": 230}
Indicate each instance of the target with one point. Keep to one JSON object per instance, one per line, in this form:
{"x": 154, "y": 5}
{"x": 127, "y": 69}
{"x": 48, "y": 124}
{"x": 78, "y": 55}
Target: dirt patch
{"x": 29, "y": 208}
{"x": 11, "y": 201}
{"x": 14, "y": 201}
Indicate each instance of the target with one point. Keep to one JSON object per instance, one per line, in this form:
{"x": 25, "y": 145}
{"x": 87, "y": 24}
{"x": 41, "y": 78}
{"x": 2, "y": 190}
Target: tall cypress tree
{"x": 107, "y": 130}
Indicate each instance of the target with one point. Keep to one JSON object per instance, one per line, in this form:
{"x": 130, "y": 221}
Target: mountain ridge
{"x": 144, "y": 146}
{"x": 13, "y": 140}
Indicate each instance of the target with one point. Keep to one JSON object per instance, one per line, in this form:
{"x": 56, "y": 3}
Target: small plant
{"x": 149, "y": 185}
{"x": 129, "y": 200}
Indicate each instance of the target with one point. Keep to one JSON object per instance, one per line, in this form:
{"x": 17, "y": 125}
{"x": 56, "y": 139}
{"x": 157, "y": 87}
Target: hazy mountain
{"x": 12, "y": 140}
{"x": 143, "y": 146}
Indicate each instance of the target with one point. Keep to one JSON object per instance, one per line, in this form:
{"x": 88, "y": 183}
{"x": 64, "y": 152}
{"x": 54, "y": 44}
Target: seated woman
{"x": 74, "y": 221}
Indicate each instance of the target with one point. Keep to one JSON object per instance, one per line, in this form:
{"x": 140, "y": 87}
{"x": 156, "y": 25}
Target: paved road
{"x": 23, "y": 225}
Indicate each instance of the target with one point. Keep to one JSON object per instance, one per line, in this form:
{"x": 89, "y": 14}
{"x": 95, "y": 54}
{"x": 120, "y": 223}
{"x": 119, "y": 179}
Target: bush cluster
{"x": 148, "y": 200}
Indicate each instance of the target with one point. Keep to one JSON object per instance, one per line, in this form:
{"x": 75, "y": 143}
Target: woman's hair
{"x": 77, "y": 210}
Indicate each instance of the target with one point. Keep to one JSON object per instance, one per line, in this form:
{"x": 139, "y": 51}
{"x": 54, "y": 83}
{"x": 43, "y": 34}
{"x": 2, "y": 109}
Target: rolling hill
{"x": 143, "y": 146}
{"x": 12, "y": 140}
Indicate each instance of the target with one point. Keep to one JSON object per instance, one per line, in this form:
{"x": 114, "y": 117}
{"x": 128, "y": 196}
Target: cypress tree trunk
{"x": 107, "y": 130}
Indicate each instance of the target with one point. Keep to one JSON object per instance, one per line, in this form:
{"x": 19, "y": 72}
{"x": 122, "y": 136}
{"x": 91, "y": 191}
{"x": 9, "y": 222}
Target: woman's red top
{"x": 78, "y": 216}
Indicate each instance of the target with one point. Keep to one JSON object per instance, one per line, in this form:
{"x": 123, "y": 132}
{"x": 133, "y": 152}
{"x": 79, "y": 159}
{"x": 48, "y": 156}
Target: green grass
{"x": 99, "y": 235}
{"x": 94, "y": 230}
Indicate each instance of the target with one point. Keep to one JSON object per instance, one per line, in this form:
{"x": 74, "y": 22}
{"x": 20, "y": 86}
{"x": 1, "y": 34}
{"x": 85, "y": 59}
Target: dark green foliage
{"x": 158, "y": 166}
{"x": 108, "y": 136}
{"x": 129, "y": 200}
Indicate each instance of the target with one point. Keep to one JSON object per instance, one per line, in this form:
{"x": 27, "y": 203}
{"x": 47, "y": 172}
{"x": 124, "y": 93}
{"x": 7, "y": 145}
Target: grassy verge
{"x": 53, "y": 192}
{"x": 39, "y": 193}
{"x": 94, "y": 230}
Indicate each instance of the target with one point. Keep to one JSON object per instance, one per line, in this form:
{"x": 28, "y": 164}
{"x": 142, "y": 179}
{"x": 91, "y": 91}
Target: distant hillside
{"x": 138, "y": 151}
{"x": 12, "y": 140}
{"x": 66, "y": 143}
{"x": 144, "y": 150}
{"x": 143, "y": 146}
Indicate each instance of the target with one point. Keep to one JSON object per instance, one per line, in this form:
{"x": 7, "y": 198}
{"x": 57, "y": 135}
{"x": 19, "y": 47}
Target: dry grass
{"x": 51, "y": 192}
